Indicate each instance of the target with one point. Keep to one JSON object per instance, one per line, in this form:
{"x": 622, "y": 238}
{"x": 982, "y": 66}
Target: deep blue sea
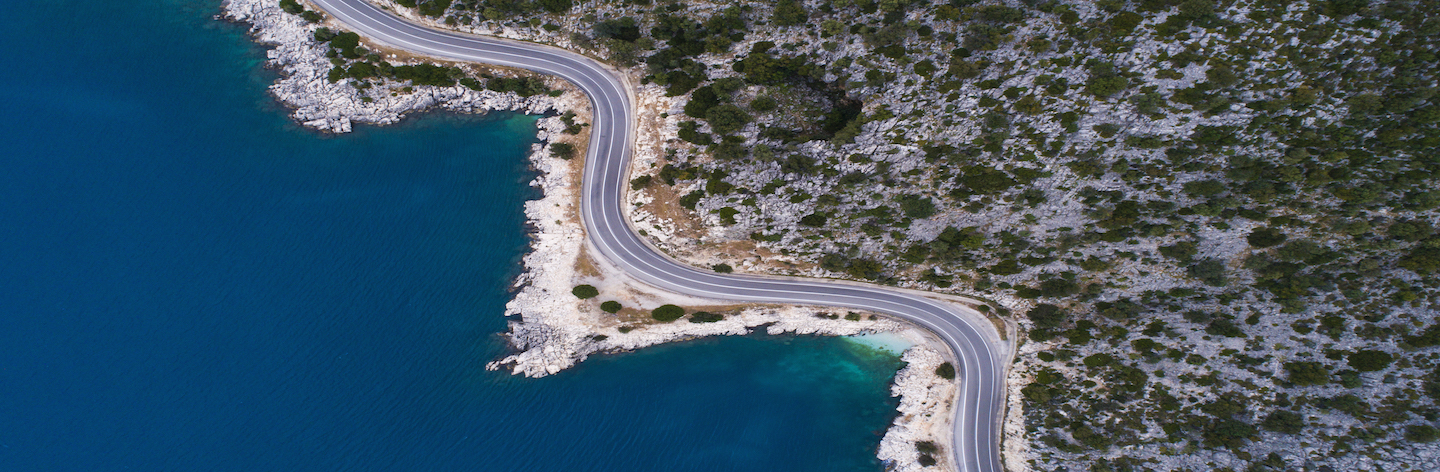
{"x": 191, "y": 282}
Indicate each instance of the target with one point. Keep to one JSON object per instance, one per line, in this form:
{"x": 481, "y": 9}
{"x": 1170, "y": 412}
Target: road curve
{"x": 974, "y": 340}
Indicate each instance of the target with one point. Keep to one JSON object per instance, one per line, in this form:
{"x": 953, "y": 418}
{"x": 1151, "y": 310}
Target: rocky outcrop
{"x": 333, "y": 107}
{"x": 925, "y": 403}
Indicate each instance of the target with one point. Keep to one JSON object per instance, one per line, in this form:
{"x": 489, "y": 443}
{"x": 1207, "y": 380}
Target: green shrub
{"x": 1105, "y": 80}
{"x": 1284, "y": 421}
{"x": 667, "y": 313}
{"x": 324, "y": 35}
{"x": 611, "y": 306}
{"x": 1210, "y": 271}
{"x": 562, "y": 150}
{"x": 346, "y": 43}
{"x": 705, "y": 317}
{"x": 722, "y": 268}
{"x": 291, "y": 6}
{"x": 1058, "y": 287}
{"x": 1098, "y": 360}
{"x": 726, "y": 118}
{"x": 1224, "y": 327}
{"x": 640, "y": 182}
{"x": 1430, "y": 337}
{"x": 434, "y": 7}
{"x": 1367, "y": 360}
{"x": 789, "y": 13}
{"x": 926, "y": 447}
{"x": 691, "y": 199}
{"x": 1006, "y": 267}
{"x": 1421, "y": 433}
{"x": 522, "y": 86}
{"x": 701, "y": 101}
{"x": 762, "y": 104}
{"x": 946, "y": 371}
{"x": 984, "y": 180}
{"x": 814, "y": 219}
{"x": 917, "y": 207}
{"x": 585, "y": 292}
{"x": 1046, "y": 316}
{"x": 1424, "y": 259}
{"x": 556, "y": 6}
{"x": 424, "y": 74}
{"x": 1306, "y": 373}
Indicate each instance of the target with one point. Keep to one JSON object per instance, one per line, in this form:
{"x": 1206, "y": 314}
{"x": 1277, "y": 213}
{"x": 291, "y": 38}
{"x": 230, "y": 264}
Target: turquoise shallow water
{"x": 190, "y": 282}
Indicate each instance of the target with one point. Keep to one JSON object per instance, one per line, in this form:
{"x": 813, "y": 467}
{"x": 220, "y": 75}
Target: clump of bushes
{"x": 611, "y": 306}
{"x": 294, "y": 8}
{"x": 667, "y": 313}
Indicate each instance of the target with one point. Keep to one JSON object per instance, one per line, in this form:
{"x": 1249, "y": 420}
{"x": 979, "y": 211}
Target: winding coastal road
{"x": 974, "y": 339}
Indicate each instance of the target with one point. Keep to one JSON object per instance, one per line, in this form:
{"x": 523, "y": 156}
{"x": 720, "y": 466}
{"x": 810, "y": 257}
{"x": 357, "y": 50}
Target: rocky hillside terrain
{"x": 1215, "y": 220}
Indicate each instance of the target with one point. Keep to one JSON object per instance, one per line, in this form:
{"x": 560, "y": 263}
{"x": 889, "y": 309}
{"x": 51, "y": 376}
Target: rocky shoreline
{"x": 551, "y": 329}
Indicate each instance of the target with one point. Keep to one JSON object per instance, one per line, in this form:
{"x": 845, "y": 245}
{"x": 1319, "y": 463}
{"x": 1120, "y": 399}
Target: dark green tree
{"x": 1284, "y": 421}
{"x": 1046, "y": 316}
{"x": 1265, "y": 237}
{"x": 1306, "y": 373}
{"x": 556, "y": 6}
{"x": 584, "y": 292}
{"x": 562, "y": 150}
{"x": 915, "y": 206}
{"x": 727, "y": 118}
{"x": 705, "y": 317}
{"x": 1210, "y": 271}
{"x": 946, "y": 371}
{"x": 789, "y": 13}
{"x": 1367, "y": 360}
{"x": 667, "y": 313}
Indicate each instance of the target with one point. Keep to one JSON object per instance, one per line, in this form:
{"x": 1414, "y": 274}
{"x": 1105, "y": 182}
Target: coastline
{"x": 555, "y": 330}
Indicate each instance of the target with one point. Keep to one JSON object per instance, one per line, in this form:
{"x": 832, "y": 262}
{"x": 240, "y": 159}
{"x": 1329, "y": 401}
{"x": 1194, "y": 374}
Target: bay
{"x": 189, "y": 281}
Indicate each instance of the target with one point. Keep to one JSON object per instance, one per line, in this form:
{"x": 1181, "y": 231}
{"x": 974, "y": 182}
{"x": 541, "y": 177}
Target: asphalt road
{"x": 974, "y": 339}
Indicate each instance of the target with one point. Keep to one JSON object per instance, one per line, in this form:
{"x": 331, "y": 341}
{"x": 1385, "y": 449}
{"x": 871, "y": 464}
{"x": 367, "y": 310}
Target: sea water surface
{"x": 191, "y": 282}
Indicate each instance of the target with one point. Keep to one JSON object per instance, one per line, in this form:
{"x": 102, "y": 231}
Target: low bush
{"x": 585, "y": 291}
{"x": 946, "y": 371}
{"x": 611, "y": 306}
{"x": 562, "y": 150}
{"x": 1421, "y": 433}
{"x": 705, "y": 317}
{"x": 667, "y": 313}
